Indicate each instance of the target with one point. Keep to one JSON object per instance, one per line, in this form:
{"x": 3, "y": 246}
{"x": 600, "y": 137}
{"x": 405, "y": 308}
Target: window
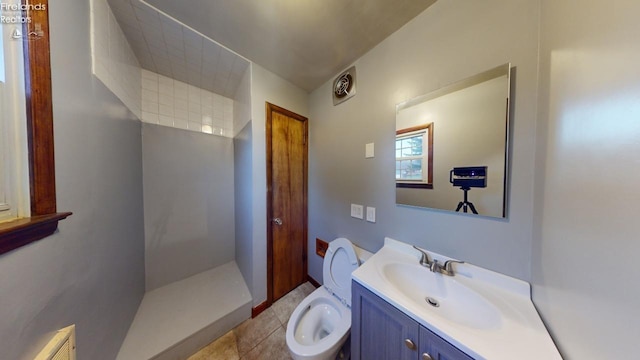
{"x": 410, "y": 157}
{"x": 414, "y": 157}
{"x": 14, "y": 199}
{"x": 4, "y": 176}
{"x": 42, "y": 219}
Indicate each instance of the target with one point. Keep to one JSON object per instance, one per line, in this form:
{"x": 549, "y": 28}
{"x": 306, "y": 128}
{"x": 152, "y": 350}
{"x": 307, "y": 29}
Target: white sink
{"x": 485, "y": 314}
{"x": 443, "y": 295}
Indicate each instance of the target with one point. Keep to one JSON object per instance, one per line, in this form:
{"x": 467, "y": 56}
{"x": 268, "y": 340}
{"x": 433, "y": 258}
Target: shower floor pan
{"x": 176, "y": 320}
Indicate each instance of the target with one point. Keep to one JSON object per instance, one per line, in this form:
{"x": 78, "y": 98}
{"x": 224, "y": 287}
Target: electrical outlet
{"x": 371, "y": 214}
{"x": 357, "y": 211}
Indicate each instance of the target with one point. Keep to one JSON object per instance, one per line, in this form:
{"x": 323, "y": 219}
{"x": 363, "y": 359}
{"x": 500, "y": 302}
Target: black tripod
{"x": 466, "y": 203}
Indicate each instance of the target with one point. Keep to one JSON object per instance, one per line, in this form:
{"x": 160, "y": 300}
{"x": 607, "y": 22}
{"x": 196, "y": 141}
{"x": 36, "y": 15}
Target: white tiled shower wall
{"x": 153, "y": 98}
{"x": 113, "y": 61}
{"x": 169, "y": 102}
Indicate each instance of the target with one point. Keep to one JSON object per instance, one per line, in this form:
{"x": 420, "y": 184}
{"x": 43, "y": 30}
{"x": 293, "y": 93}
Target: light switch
{"x": 357, "y": 211}
{"x": 371, "y": 214}
{"x": 368, "y": 150}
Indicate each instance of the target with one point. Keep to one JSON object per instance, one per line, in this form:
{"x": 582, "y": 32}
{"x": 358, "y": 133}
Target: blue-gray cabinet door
{"x": 379, "y": 331}
{"x": 437, "y": 348}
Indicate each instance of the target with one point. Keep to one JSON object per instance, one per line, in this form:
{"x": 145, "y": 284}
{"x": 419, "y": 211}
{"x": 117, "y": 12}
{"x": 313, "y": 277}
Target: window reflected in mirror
{"x": 414, "y": 157}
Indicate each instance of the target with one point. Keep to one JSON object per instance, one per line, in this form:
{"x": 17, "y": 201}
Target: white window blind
{"x": 4, "y": 170}
{"x": 14, "y": 169}
{"x": 411, "y": 157}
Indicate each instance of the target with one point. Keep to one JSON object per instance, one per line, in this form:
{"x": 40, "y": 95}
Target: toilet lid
{"x": 339, "y": 262}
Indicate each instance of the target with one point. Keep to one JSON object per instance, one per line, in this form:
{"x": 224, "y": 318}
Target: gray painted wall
{"x": 188, "y": 203}
{"x": 450, "y": 41}
{"x": 91, "y": 272}
{"x": 243, "y": 174}
{"x": 585, "y": 246}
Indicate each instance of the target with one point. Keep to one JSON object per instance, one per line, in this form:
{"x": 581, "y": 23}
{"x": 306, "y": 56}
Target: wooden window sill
{"x": 414, "y": 185}
{"x": 16, "y": 233}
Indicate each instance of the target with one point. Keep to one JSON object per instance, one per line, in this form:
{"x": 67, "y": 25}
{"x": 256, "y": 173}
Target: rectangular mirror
{"x": 452, "y": 146}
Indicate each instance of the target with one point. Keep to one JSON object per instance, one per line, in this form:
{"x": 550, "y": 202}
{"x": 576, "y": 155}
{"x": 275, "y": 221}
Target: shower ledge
{"x": 176, "y": 320}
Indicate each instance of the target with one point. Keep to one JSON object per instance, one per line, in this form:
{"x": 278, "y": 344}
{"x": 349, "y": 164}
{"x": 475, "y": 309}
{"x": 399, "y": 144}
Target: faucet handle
{"x": 447, "y": 266}
{"x": 424, "y": 260}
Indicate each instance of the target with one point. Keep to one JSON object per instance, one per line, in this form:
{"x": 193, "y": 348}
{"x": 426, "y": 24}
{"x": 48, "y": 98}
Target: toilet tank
{"x": 362, "y": 254}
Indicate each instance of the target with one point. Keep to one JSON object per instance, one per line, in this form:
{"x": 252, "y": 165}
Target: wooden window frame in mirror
{"x": 421, "y": 185}
{"x": 44, "y": 216}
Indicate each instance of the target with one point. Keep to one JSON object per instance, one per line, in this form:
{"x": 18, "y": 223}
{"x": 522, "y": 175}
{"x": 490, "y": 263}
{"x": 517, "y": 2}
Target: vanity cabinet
{"x": 379, "y": 331}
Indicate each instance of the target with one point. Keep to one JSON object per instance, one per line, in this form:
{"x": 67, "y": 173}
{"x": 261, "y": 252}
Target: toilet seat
{"x": 340, "y": 261}
{"x": 321, "y": 323}
{"x": 312, "y": 349}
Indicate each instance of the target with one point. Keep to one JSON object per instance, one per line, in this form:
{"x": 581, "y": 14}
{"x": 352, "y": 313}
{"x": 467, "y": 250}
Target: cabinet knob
{"x": 410, "y": 344}
{"x": 426, "y": 356}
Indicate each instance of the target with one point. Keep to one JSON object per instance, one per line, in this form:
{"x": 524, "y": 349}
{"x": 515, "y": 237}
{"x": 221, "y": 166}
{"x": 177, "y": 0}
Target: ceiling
{"x": 304, "y": 41}
{"x": 166, "y": 47}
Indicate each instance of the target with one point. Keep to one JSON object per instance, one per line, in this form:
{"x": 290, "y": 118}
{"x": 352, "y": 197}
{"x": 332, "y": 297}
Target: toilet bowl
{"x": 321, "y": 323}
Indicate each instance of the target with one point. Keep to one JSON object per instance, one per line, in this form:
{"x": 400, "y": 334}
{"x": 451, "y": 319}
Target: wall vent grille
{"x": 61, "y": 347}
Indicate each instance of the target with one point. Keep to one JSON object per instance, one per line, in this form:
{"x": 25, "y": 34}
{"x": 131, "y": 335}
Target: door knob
{"x": 426, "y": 356}
{"x": 410, "y": 344}
{"x": 277, "y": 221}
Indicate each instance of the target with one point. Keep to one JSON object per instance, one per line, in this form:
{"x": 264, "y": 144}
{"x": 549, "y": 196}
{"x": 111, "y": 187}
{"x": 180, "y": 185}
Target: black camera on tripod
{"x": 466, "y": 178}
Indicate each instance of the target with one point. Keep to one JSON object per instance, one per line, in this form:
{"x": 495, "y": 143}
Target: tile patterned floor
{"x": 261, "y": 338}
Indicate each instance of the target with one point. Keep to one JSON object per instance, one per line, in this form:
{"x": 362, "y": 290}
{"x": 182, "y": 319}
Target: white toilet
{"x": 321, "y": 323}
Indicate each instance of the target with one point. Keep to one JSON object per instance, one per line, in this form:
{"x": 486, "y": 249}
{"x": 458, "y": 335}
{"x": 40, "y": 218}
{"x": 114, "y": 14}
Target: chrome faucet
{"x": 434, "y": 265}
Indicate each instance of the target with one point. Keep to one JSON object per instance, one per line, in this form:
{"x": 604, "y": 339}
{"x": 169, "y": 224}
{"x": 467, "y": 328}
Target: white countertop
{"x": 517, "y": 332}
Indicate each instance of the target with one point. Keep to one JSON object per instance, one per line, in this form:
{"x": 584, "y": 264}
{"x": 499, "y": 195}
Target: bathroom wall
{"x": 450, "y": 41}
{"x": 91, "y": 272}
{"x": 243, "y": 178}
{"x": 585, "y": 245}
{"x": 113, "y": 60}
{"x": 266, "y": 87}
{"x": 188, "y": 203}
{"x": 243, "y": 175}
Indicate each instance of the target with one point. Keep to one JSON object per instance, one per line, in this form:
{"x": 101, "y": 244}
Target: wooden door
{"x": 286, "y": 134}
